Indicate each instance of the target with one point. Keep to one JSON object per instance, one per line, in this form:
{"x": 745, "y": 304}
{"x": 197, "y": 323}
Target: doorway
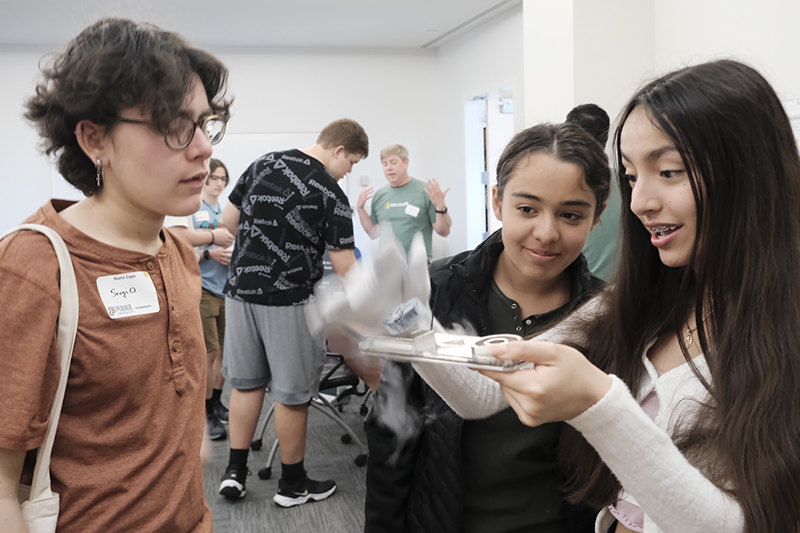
{"x": 489, "y": 125}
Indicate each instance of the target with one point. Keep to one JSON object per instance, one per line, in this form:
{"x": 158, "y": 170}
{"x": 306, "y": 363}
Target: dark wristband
{"x": 442, "y": 212}
{"x": 206, "y": 255}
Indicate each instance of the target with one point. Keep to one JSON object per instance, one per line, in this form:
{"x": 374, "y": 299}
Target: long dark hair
{"x": 744, "y": 276}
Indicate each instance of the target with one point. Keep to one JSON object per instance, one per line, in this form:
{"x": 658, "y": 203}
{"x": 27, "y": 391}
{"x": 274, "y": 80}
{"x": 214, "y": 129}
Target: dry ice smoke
{"x": 357, "y": 307}
{"x": 394, "y": 407}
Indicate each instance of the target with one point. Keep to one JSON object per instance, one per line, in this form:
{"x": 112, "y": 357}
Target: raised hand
{"x": 366, "y": 194}
{"x": 436, "y": 195}
{"x": 562, "y": 384}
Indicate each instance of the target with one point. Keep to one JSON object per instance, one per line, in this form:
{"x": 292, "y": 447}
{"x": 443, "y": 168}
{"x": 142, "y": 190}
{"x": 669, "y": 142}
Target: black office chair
{"x": 335, "y": 374}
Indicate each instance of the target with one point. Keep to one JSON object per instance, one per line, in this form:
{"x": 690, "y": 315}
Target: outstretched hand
{"x": 562, "y": 384}
{"x": 436, "y": 195}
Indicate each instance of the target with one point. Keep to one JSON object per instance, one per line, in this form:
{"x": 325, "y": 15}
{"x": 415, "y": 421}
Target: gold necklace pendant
{"x": 688, "y": 340}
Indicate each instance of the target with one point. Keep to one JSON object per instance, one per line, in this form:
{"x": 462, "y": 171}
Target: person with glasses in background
{"x": 214, "y": 257}
{"x": 130, "y": 112}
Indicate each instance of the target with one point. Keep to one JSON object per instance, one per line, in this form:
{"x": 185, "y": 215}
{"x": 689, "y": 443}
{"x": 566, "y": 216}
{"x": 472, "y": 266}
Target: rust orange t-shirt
{"x": 127, "y": 451}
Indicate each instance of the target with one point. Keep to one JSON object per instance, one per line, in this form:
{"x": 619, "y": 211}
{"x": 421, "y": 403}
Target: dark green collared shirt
{"x": 505, "y": 314}
{"x": 511, "y": 476}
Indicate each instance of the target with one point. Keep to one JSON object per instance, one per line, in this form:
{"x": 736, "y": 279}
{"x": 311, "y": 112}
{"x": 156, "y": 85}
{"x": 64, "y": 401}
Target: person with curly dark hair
{"x": 120, "y": 109}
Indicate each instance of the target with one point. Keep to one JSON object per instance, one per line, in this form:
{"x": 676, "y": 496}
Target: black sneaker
{"x": 305, "y": 491}
{"x": 216, "y": 431}
{"x": 221, "y": 411}
{"x": 233, "y": 482}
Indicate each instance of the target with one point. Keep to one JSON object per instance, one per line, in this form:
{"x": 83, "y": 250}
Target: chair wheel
{"x": 346, "y": 439}
{"x": 361, "y": 460}
{"x": 265, "y": 473}
{"x": 256, "y": 445}
{"x": 363, "y": 410}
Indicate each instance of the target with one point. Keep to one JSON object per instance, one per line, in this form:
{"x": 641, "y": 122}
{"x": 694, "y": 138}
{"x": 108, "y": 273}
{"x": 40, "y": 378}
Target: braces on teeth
{"x": 662, "y": 230}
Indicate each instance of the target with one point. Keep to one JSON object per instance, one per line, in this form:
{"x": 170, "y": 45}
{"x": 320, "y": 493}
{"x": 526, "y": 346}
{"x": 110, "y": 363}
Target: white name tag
{"x": 412, "y": 210}
{"x": 202, "y": 216}
{"x": 129, "y": 294}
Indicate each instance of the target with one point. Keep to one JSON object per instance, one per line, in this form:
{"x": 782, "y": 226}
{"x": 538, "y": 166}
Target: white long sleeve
{"x": 470, "y": 394}
{"x": 474, "y": 396}
{"x": 674, "y": 495}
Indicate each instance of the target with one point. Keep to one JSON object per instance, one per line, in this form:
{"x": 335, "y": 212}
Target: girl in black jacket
{"x": 497, "y": 475}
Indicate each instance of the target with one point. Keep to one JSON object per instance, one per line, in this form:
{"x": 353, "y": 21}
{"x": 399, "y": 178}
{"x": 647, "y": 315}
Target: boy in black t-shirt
{"x": 285, "y": 210}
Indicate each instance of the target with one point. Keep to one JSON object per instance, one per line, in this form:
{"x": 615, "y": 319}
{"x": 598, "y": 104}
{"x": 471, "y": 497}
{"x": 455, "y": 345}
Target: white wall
{"x": 584, "y": 51}
{"x": 614, "y": 51}
{"x": 579, "y": 51}
{"x": 549, "y": 53}
{"x": 763, "y": 33}
{"x": 486, "y": 60}
{"x": 25, "y": 175}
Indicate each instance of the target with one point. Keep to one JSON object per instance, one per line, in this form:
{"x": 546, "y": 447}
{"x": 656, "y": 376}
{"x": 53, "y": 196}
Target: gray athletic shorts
{"x": 269, "y": 343}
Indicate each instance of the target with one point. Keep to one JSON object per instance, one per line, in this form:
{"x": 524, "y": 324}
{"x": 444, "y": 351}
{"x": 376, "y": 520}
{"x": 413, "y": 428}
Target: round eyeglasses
{"x": 180, "y": 130}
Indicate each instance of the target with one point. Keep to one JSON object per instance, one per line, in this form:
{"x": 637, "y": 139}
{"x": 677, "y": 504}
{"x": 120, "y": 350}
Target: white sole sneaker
{"x": 288, "y": 501}
{"x": 230, "y": 488}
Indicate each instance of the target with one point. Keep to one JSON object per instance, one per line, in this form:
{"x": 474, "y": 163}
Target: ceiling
{"x": 411, "y": 24}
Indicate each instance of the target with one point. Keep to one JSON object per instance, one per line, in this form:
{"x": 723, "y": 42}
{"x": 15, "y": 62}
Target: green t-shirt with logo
{"x": 408, "y": 209}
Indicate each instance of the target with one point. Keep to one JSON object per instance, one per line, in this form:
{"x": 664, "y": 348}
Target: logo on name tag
{"x": 128, "y": 294}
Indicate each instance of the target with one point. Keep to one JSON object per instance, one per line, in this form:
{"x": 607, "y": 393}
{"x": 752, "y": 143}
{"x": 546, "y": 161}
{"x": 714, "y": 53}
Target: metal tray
{"x": 430, "y": 347}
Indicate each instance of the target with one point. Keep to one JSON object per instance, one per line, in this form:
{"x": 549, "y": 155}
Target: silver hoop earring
{"x": 99, "y": 167}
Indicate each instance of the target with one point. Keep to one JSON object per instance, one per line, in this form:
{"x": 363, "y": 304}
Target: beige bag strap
{"x": 67, "y": 329}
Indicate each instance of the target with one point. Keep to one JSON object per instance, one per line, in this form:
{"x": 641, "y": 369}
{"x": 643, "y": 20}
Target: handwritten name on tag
{"x": 129, "y": 294}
